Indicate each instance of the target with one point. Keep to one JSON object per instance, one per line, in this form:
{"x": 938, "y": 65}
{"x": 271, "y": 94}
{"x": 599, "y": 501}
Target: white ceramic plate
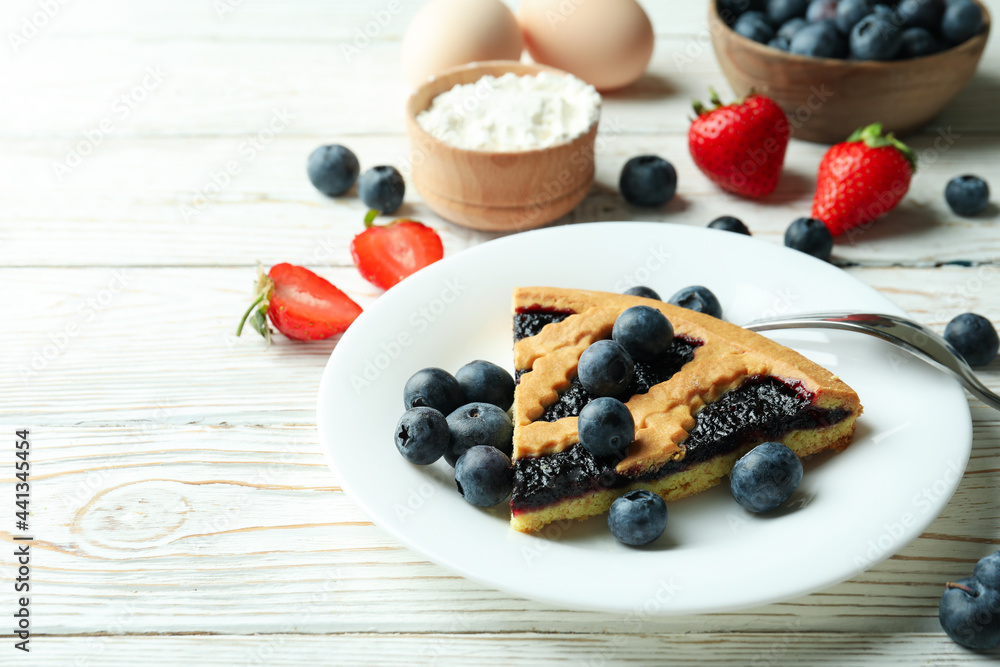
{"x": 851, "y": 511}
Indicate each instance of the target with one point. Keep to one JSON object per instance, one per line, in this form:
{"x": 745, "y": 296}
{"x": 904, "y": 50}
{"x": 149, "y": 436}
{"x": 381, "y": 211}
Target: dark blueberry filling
{"x": 529, "y": 322}
{"x": 574, "y": 398}
{"x": 762, "y": 408}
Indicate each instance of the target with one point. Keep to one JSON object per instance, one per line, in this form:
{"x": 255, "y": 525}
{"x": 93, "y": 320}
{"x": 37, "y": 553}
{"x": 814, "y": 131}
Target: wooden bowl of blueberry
{"x": 837, "y": 65}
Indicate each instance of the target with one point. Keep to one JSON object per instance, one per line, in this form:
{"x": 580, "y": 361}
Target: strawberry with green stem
{"x": 299, "y": 303}
{"x": 862, "y": 179}
{"x": 740, "y": 146}
{"x": 385, "y": 254}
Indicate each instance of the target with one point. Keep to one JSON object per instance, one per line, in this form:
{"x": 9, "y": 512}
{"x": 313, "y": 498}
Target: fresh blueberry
{"x": 925, "y": 14}
{"x": 819, "y": 40}
{"x": 332, "y": 169}
{"x": 988, "y": 571}
{"x": 918, "y": 42}
{"x": 643, "y": 291}
{"x": 422, "y": 435}
{"x": 849, "y": 12}
{"x": 699, "y": 299}
{"x": 875, "y": 38}
{"x": 974, "y": 337}
{"x": 790, "y": 27}
{"x": 730, "y": 224}
{"x": 644, "y": 332}
{"x": 821, "y": 10}
{"x": 970, "y": 614}
{"x": 483, "y": 382}
{"x": 479, "y": 424}
{"x": 605, "y": 427}
{"x": 886, "y": 12}
{"x": 765, "y": 477}
{"x": 810, "y": 236}
{"x": 484, "y": 476}
{"x": 648, "y": 180}
{"x": 753, "y": 25}
{"x": 638, "y": 517}
{"x": 967, "y": 195}
{"x": 780, "y": 11}
{"x": 382, "y": 188}
{"x": 605, "y": 368}
{"x": 730, "y": 10}
{"x": 780, "y": 43}
{"x": 433, "y": 388}
{"x": 962, "y": 19}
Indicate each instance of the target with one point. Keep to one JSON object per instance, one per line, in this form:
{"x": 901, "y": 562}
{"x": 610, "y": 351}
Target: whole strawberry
{"x": 740, "y": 146}
{"x": 300, "y": 304}
{"x": 385, "y": 254}
{"x": 862, "y": 179}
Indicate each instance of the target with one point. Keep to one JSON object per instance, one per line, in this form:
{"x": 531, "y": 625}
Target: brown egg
{"x": 447, "y": 33}
{"x": 607, "y": 43}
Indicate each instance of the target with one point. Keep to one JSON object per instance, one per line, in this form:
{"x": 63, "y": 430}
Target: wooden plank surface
{"x": 184, "y": 510}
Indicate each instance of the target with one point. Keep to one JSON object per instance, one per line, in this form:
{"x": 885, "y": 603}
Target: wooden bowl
{"x": 827, "y": 99}
{"x": 489, "y": 190}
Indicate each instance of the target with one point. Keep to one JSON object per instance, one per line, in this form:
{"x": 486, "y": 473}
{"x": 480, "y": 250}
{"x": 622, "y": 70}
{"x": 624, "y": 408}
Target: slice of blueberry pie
{"x": 714, "y": 393}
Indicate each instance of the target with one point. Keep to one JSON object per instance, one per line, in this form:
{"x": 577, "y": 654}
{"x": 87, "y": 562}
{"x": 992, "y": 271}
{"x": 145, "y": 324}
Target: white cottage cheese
{"x": 513, "y": 113}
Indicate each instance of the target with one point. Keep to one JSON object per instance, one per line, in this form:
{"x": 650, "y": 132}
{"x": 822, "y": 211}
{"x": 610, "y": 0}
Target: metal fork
{"x": 901, "y": 332}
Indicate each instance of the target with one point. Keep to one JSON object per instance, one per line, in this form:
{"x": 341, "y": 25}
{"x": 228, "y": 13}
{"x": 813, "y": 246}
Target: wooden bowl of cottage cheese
{"x": 503, "y": 145}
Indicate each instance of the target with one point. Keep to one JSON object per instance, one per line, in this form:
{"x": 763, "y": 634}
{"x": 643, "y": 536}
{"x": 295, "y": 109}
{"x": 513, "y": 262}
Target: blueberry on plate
{"x": 819, "y": 40}
{"x": 638, "y": 517}
{"x": 988, "y": 571}
{"x": 699, "y": 299}
{"x": 962, "y": 19}
{"x": 876, "y": 38}
{"x": 433, "y": 388}
{"x": 644, "y": 332}
{"x": 974, "y": 337}
{"x": 790, "y": 27}
{"x": 753, "y": 25}
{"x": 332, "y": 169}
{"x": 849, "y": 12}
{"x": 918, "y": 42}
{"x": 605, "y": 427}
{"x": 730, "y": 224}
{"x": 382, "y": 188}
{"x": 970, "y": 613}
{"x": 422, "y": 435}
{"x": 780, "y": 43}
{"x": 765, "y": 477}
{"x": 967, "y": 195}
{"x": 648, "y": 180}
{"x": 779, "y": 12}
{"x": 925, "y": 14}
{"x": 643, "y": 291}
{"x": 484, "y": 476}
{"x": 605, "y": 368}
{"x": 886, "y": 12}
{"x": 484, "y": 382}
{"x": 810, "y": 236}
{"x": 821, "y": 10}
{"x": 477, "y": 424}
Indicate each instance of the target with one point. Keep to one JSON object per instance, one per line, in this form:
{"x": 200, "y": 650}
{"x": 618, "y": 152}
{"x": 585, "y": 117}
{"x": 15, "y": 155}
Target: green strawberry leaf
{"x": 872, "y": 136}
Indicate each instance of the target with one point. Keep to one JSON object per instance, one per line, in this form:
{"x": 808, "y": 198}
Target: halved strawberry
{"x": 300, "y": 304}
{"x": 386, "y": 254}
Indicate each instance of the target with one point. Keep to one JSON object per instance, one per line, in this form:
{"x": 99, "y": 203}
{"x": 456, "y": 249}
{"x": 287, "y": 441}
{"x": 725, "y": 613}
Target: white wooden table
{"x": 181, "y": 507}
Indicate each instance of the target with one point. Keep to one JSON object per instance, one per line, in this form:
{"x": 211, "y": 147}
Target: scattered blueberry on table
{"x": 967, "y": 195}
{"x": 969, "y": 611}
{"x": 648, "y": 180}
{"x": 810, "y": 236}
{"x": 333, "y": 169}
{"x": 974, "y": 337}
{"x": 638, "y": 517}
{"x": 729, "y": 223}
{"x": 382, "y": 188}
